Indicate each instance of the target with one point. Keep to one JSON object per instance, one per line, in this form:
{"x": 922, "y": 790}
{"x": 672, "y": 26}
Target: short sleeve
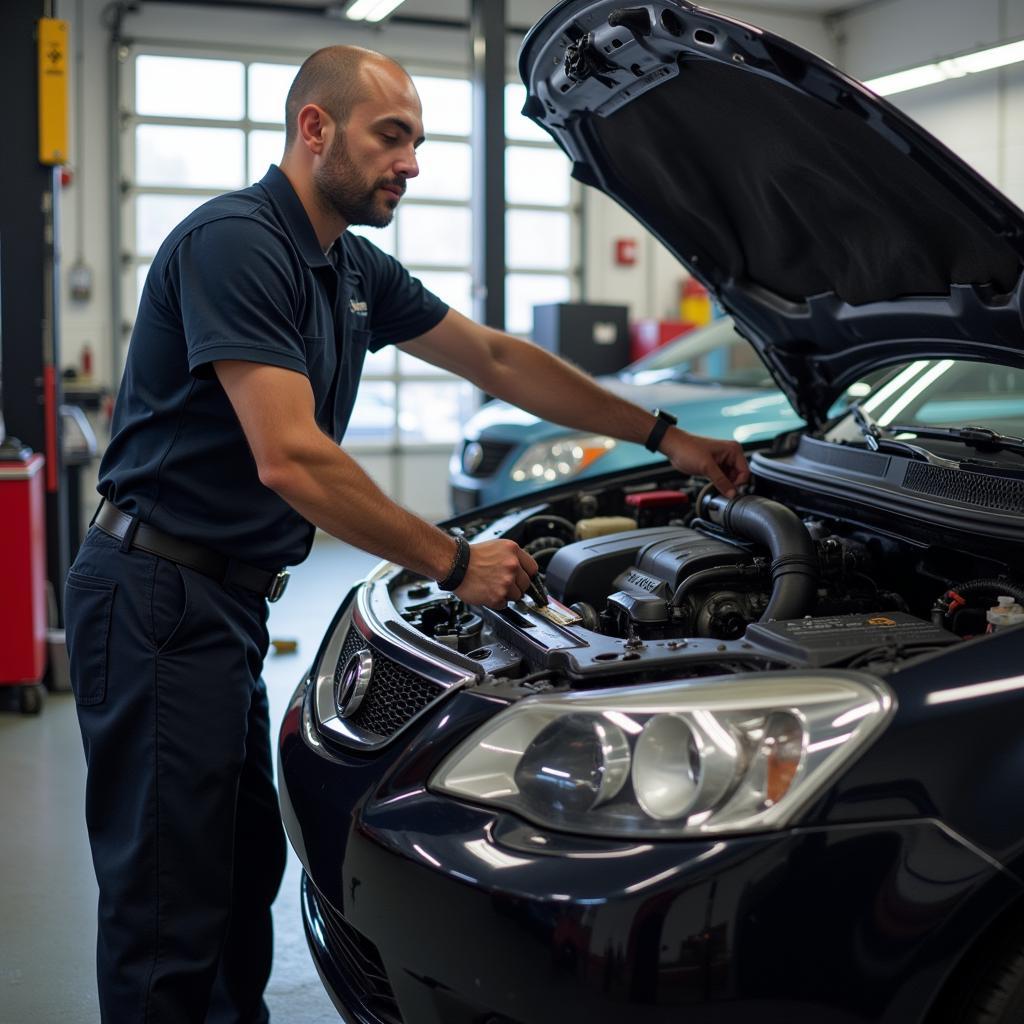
{"x": 400, "y": 308}
{"x": 239, "y": 295}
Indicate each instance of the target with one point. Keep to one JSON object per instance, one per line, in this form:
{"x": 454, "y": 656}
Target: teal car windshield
{"x": 715, "y": 354}
{"x": 941, "y": 393}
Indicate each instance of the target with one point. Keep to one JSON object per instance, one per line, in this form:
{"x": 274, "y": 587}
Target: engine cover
{"x": 643, "y": 591}
{"x": 585, "y": 571}
{"x": 637, "y": 571}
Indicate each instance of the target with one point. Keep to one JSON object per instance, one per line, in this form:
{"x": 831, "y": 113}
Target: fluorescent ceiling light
{"x": 955, "y": 67}
{"x": 371, "y": 10}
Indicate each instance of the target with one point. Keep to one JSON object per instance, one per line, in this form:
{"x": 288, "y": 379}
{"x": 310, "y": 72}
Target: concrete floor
{"x": 47, "y": 888}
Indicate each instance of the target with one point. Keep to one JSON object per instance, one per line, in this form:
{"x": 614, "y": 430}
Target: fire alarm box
{"x": 626, "y": 252}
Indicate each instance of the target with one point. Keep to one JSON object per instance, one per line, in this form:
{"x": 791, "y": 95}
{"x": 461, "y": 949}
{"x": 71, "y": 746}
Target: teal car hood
{"x": 742, "y": 413}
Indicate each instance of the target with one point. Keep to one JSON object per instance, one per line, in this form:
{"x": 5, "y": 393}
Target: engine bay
{"x": 663, "y": 578}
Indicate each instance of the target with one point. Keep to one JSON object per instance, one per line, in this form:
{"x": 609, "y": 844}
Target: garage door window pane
{"x": 434, "y": 235}
{"x": 155, "y": 216}
{"x": 444, "y": 171}
{"x": 447, "y": 105}
{"x": 268, "y": 89}
{"x": 434, "y": 413}
{"x": 383, "y": 238}
{"x": 517, "y": 126}
{"x": 373, "y": 418}
{"x": 536, "y": 176}
{"x": 265, "y": 148}
{"x": 524, "y": 291}
{"x": 193, "y": 157}
{"x": 380, "y": 364}
{"x": 455, "y": 287}
{"x": 189, "y": 87}
{"x": 536, "y": 239}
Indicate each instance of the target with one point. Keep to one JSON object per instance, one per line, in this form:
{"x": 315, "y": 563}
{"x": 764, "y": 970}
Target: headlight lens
{"x": 549, "y": 461}
{"x": 731, "y": 754}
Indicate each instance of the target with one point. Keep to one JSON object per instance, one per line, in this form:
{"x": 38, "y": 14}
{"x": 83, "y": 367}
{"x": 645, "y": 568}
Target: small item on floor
{"x": 284, "y": 646}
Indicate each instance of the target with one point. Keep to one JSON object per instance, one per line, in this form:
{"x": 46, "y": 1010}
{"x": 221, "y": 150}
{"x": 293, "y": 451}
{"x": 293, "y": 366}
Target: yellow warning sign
{"x": 881, "y": 620}
{"x": 53, "y": 91}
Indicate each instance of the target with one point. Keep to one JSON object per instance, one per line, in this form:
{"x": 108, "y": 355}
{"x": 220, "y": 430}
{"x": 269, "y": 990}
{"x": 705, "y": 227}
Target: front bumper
{"x": 423, "y": 910}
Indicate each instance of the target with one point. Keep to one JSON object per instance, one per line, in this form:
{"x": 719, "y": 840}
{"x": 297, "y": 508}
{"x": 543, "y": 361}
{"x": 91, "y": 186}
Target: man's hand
{"x": 499, "y": 571}
{"x": 722, "y": 462}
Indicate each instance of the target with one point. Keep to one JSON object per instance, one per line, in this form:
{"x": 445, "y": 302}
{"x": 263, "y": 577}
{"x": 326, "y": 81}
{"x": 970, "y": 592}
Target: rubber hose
{"x": 941, "y": 613}
{"x": 998, "y": 587}
{"x": 794, "y": 565}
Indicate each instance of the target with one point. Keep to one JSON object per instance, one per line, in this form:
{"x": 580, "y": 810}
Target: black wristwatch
{"x": 457, "y": 573}
{"x": 663, "y": 420}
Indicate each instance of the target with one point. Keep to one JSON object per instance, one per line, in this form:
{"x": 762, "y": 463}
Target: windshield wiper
{"x": 977, "y": 437}
{"x": 875, "y": 437}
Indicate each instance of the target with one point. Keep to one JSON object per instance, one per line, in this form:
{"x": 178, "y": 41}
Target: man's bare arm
{"x": 527, "y": 376}
{"x": 326, "y": 486}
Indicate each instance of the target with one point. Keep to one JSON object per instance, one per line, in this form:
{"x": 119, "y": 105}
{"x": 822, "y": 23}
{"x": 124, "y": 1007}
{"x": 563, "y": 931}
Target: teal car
{"x": 711, "y": 379}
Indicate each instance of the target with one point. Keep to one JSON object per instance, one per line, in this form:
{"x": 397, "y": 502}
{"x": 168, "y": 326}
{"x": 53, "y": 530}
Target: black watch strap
{"x": 457, "y": 573}
{"x": 662, "y": 421}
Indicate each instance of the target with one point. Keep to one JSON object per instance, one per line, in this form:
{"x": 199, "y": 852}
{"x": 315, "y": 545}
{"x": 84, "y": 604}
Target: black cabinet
{"x": 595, "y": 338}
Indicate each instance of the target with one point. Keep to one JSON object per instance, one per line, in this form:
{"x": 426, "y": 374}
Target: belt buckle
{"x": 278, "y": 586}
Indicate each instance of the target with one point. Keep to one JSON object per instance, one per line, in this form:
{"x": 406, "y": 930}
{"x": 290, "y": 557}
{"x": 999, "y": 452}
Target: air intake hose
{"x": 794, "y": 561}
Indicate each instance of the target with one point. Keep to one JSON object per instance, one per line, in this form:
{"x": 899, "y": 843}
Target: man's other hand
{"x": 499, "y": 571}
{"x": 722, "y": 462}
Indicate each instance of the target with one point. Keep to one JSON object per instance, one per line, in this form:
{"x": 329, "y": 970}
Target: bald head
{"x": 335, "y": 78}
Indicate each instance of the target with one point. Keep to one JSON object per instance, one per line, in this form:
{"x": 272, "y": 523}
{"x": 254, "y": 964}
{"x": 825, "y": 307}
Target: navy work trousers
{"x": 182, "y": 814}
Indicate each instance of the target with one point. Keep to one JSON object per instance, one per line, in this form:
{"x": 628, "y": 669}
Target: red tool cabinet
{"x": 23, "y": 596}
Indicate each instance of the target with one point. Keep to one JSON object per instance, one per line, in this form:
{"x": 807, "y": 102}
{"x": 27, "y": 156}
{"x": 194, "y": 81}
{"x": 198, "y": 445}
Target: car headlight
{"x": 731, "y": 754}
{"x": 548, "y": 461}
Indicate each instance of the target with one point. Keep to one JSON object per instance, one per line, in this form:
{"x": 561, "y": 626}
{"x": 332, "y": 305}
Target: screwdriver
{"x": 538, "y": 591}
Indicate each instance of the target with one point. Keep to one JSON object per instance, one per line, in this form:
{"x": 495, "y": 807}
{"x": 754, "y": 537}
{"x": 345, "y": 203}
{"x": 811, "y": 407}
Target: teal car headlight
{"x": 548, "y": 461}
{"x": 731, "y": 754}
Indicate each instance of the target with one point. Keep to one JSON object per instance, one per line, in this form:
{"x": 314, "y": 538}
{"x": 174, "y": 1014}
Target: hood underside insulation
{"x": 784, "y": 191}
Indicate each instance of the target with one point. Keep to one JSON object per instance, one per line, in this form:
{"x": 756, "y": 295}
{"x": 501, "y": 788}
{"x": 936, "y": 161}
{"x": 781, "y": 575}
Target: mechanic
{"x": 242, "y": 371}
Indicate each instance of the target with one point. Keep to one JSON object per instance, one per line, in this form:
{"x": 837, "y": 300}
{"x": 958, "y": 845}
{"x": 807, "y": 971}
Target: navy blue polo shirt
{"x": 243, "y": 277}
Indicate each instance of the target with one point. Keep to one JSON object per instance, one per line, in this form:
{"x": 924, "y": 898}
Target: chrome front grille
{"x": 376, "y": 674}
{"x": 395, "y": 694}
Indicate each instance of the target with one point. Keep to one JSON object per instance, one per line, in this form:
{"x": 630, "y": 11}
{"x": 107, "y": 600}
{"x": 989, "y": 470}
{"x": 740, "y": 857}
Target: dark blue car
{"x": 757, "y": 760}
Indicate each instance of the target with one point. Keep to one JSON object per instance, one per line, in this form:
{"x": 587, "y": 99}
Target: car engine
{"x": 665, "y": 578}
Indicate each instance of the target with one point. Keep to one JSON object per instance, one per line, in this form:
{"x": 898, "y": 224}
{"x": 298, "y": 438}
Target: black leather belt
{"x": 265, "y": 582}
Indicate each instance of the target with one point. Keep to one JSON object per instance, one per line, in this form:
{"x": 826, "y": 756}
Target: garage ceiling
{"x": 524, "y": 12}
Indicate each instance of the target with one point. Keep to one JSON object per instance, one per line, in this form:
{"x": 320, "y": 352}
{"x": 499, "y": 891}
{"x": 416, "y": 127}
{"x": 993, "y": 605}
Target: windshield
{"x": 943, "y": 393}
{"x": 714, "y": 354}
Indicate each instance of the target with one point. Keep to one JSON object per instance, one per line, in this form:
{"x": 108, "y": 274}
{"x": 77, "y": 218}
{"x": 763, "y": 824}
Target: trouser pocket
{"x": 87, "y": 606}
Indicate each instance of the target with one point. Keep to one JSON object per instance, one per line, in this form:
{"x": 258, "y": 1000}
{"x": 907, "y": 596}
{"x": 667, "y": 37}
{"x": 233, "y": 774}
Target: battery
{"x": 833, "y": 639}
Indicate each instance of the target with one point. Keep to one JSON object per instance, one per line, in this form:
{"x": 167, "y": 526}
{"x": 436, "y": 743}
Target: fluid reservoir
{"x": 1005, "y": 613}
{"x": 599, "y": 526}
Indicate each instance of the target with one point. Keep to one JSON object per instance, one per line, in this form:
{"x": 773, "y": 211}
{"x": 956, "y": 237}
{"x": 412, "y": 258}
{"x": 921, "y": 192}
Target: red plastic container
{"x": 23, "y": 556}
{"x": 647, "y": 335}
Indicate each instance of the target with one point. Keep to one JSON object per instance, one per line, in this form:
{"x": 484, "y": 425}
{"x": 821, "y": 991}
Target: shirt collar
{"x": 294, "y": 215}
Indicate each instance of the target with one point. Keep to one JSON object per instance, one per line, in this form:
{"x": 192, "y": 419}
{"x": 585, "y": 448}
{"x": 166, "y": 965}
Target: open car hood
{"x": 839, "y": 234}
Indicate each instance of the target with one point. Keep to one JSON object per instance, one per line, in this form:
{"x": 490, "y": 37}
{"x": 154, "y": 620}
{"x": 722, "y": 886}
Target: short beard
{"x": 341, "y": 189}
